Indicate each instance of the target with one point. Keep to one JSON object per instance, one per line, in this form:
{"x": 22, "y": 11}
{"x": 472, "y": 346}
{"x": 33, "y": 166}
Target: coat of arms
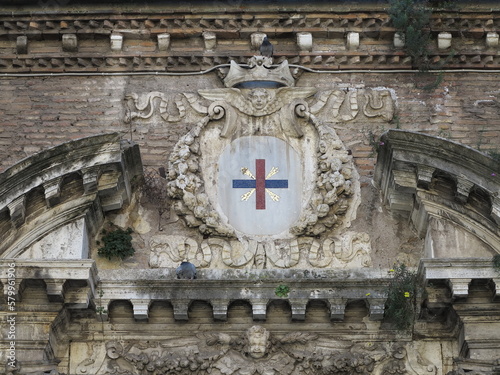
{"x": 266, "y": 167}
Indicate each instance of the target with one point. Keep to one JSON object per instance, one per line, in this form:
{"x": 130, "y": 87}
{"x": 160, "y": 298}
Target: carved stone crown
{"x": 259, "y": 70}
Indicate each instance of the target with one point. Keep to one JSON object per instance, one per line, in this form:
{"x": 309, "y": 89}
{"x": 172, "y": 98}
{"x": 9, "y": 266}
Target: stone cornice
{"x": 137, "y": 47}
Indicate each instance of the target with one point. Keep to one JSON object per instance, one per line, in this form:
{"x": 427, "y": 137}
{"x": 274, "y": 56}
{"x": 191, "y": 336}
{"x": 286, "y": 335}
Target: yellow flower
{"x": 407, "y": 294}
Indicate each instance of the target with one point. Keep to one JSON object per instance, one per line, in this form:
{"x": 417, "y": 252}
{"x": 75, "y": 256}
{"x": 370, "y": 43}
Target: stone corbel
{"x": 464, "y": 187}
{"x": 219, "y": 307}
{"x": 17, "y": 210}
{"x": 55, "y": 289}
{"x": 90, "y": 178}
{"x": 112, "y": 190}
{"x": 376, "y": 306}
{"x": 18, "y": 289}
{"x": 496, "y": 296}
{"x": 259, "y": 308}
{"x": 53, "y": 191}
{"x": 337, "y": 308}
{"x": 424, "y": 176}
{"x": 78, "y": 298}
{"x": 141, "y": 308}
{"x": 495, "y": 209}
{"x": 459, "y": 287}
{"x": 181, "y": 307}
{"x": 298, "y": 306}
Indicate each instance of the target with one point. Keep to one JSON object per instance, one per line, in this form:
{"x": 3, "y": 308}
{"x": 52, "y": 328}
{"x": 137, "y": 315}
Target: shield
{"x": 260, "y": 181}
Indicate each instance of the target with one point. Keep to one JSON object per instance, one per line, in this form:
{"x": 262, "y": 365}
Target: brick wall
{"x": 40, "y": 112}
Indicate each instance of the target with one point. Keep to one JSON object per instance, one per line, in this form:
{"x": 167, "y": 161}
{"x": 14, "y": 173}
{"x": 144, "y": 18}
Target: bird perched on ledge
{"x": 186, "y": 271}
{"x": 266, "y": 48}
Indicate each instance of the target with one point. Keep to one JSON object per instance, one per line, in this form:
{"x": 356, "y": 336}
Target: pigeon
{"x": 266, "y": 48}
{"x": 186, "y": 271}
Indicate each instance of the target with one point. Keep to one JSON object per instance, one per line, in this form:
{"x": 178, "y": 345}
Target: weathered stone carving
{"x": 345, "y": 105}
{"x": 257, "y": 351}
{"x": 335, "y": 192}
{"x": 349, "y": 250}
{"x": 328, "y": 193}
{"x": 145, "y": 106}
{"x": 168, "y": 250}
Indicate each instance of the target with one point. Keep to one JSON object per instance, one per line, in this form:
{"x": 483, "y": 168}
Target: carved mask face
{"x": 257, "y": 342}
{"x": 259, "y": 98}
{"x": 257, "y": 348}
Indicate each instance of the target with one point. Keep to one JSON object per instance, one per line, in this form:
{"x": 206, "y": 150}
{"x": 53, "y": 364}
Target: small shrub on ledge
{"x": 282, "y": 291}
{"x": 117, "y": 243}
{"x": 402, "y": 298}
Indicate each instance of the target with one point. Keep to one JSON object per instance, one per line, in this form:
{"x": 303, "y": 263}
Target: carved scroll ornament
{"x": 350, "y": 250}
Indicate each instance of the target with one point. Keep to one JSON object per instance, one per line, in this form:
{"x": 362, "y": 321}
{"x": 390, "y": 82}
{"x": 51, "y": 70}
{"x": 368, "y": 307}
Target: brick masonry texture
{"x": 41, "y": 112}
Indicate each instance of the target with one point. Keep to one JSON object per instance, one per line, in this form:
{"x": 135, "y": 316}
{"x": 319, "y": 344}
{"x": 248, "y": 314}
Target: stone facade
{"x": 297, "y": 185}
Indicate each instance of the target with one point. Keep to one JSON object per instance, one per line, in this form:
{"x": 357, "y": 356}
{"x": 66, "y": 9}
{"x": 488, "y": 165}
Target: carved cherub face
{"x": 258, "y": 342}
{"x": 259, "y": 98}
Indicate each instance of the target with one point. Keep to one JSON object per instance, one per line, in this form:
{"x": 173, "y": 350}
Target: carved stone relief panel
{"x": 350, "y": 250}
{"x": 261, "y": 168}
{"x": 255, "y": 351}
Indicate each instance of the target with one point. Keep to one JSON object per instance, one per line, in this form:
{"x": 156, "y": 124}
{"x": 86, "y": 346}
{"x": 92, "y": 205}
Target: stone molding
{"x": 322, "y": 27}
{"x": 335, "y": 288}
{"x": 409, "y": 163}
{"x": 56, "y": 274}
{"x": 105, "y": 166}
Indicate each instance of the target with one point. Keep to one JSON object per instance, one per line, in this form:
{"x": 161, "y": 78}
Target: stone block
{"x": 298, "y": 308}
{"x": 492, "y": 40}
{"x": 141, "y": 308}
{"x": 163, "y": 41}
{"x": 22, "y": 44}
{"x": 444, "y": 41}
{"x": 17, "y": 210}
{"x": 399, "y": 40}
{"x": 116, "y": 42}
{"x": 337, "y": 309}
{"x": 220, "y": 309}
{"x": 69, "y": 43}
{"x": 352, "y": 41}
{"x": 210, "y": 40}
{"x": 256, "y": 40}
{"x": 259, "y": 309}
{"x": 305, "y": 41}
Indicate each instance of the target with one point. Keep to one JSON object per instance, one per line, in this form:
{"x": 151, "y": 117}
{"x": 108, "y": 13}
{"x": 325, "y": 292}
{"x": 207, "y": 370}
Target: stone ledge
{"x": 55, "y": 274}
{"x": 221, "y": 287}
{"x": 459, "y": 272}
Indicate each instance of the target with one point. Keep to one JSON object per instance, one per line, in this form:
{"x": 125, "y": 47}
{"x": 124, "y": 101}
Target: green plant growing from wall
{"x": 411, "y": 20}
{"x": 100, "y": 309}
{"x": 116, "y": 243}
{"x": 495, "y": 155}
{"x": 282, "y": 290}
{"x": 402, "y": 298}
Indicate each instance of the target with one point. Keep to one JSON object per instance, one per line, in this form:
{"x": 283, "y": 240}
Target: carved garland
{"x": 256, "y": 351}
{"x": 332, "y": 193}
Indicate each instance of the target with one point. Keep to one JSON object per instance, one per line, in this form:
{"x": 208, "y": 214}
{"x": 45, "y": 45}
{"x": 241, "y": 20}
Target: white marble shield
{"x": 260, "y": 185}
